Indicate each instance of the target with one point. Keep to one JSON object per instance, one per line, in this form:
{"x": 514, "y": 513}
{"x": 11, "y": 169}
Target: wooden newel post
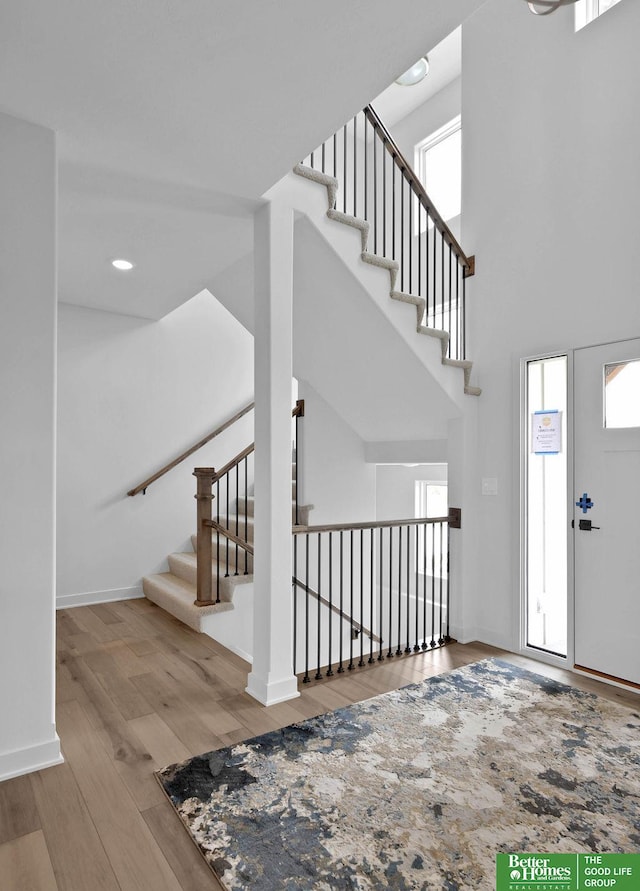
{"x": 204, "y": 551}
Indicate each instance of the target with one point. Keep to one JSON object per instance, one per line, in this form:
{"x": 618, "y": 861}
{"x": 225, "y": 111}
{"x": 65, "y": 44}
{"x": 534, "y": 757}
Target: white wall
{"x": 427, "y": 118}
{"x": 27, "y": 459}
{"x": 395, "y": 487}
{"x": 332, "y": 473}
{"x": 551, "y": 190}
{"x": 134, "y": 394}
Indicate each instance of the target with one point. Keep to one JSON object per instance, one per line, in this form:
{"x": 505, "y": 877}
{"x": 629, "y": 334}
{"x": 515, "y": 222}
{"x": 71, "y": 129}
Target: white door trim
{"x": 524, "y": 649}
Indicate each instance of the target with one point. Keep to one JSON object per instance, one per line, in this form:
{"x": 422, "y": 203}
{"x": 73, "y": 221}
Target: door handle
{"x": 587, "y": 526}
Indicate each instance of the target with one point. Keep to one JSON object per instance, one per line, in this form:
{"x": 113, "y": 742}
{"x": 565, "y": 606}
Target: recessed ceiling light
{"x": 122, "y": 265}
{"x": 415, "y": 74}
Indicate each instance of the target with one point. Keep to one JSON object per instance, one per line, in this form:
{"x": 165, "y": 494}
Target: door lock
{"x": 587, "y": 526}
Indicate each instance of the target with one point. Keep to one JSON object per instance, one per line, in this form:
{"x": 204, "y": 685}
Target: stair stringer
{"x": 377, "y": 275}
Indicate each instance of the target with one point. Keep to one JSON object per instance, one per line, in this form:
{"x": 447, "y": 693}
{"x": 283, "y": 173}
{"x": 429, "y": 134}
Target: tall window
{"x": 432, "y": 500}
{"x": 546, "y": 505}
{"x": 588, "y": 10}
{"x": 439, "y": 166}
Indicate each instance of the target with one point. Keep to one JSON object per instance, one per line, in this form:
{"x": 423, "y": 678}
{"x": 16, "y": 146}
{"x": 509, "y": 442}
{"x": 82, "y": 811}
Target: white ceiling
{"x": 171, "y": 113}
{"x": 445, "y": 65}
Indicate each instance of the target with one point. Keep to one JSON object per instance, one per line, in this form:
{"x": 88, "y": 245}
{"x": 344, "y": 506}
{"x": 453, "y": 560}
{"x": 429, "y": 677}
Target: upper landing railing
{"x": 377, "y": 183}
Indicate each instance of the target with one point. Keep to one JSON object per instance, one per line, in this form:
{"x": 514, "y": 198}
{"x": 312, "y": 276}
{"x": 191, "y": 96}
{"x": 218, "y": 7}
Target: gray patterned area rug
{"x": 418, "y": 788}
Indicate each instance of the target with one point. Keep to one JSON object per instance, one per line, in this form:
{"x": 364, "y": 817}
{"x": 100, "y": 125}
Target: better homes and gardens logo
{"x": 567, "y": 872}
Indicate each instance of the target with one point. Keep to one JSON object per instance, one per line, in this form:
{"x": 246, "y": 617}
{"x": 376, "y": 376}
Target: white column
{"x": 464, "y": 489}
{"x": 28, "y": 739}
{"x": 272, "y": 679}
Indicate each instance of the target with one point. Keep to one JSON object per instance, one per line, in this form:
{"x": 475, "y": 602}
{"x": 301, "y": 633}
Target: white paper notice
{"x": 546, "y": 432}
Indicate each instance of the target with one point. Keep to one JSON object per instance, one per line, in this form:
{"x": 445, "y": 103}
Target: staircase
{"x": 232, "y": 566}
{"x": 401, "y": 232}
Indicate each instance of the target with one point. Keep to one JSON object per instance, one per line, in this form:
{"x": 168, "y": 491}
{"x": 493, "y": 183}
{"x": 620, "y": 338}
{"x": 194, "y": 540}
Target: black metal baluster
{"x": 355, "y": 166}
{"x": 371, "y": 550}
{"x": 451, "y": 340}
{"x": 366, "y": 169}
{"x": 410, "y": 228}
{"x": 344, "y": 165}
{"x": 296, "y": 471}
{"x": 435, "y": 275}
{"x": 433, "y": 584}
{"x": 424, "y": 586}
{"x": 464, "y": 317}
{"x": 393, "y": 210}
{"x": 426, "y": 268}
{"x": 294, "y": 589}
{"x": 323, "y": 158}
{"x": 340, "y": 666}
{"x": 380, "y": 656}
{"x": 330, "y": 660}
{"x": 335, "y": 155}
{"x": 227, "y": 524}
{"x": 375, "y": 192}
{"x": 351, "y": 666}
{"x": 318, "y": 672}
{"x": 312, "y": 154}
{"x": 441, "y": 638}
{"x": 399, "y": 646}
{"x": 237, "y": 514}
{"x": 458, "y": 330}
{"x": 416, "y": 648}
{"x": 217, "y": 542}
{"x": 246, "y": 517}
{"x": 447, "y": 636}
{"x": 419, "y": 249}
{"x": 384, "y": 204}
{"x": 306, "y": 677}
{"x": 442, "y": 292}
{"x": 402, "y": 231}
{"x": 390, "y": 653}
{"x": 407, "y": 649}
{"x": 361, "y": 662}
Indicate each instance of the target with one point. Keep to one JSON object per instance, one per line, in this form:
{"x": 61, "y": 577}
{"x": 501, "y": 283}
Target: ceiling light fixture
{"x": 122, "y": 265}
{"x": 544, "y": 7}
{"x": 415, "y": 74}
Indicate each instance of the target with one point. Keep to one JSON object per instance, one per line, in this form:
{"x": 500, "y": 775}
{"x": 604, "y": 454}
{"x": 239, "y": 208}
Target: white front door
{"x": 607, "y": 499}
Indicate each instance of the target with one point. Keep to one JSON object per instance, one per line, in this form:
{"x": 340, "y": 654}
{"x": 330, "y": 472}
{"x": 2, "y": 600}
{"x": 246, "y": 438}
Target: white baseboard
{"x": 21, "y": 761}
{"x": 88, "y": 598}
{"x": 501, "y": 641}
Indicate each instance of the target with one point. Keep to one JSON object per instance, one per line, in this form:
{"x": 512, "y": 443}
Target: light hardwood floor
{"x": 138, "y": 690}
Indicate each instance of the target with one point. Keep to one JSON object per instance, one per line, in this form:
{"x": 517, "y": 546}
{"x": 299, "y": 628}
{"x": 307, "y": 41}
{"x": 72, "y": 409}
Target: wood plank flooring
{"x": 138, "y": 690}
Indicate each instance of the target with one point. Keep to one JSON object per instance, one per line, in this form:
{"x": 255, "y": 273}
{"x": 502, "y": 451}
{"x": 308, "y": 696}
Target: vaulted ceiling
{"x": 174, "y": 116}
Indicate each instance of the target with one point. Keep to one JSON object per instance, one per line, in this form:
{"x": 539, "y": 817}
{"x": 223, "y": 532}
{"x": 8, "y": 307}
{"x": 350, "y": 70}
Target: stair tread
{"x": 405, "y": 297}
{"x": 377, "y": 260}
{"x": 434, "y": 332}
{"x": 348, "y": 219}
{"x": 182, "y": 592}
{"x": 458, "y": 363}
{"x": 316, "y": 175}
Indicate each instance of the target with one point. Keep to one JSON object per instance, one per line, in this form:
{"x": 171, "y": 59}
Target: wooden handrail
{"x": 298, "y": 411}
{"x": 234, "y": 461}
{"x": 142, "y": 487}
{"x": 358, "y": 627}
{"x": 375, "y": 524}
{"x": 228, "y": 534}
{"x": 391, "y": 146}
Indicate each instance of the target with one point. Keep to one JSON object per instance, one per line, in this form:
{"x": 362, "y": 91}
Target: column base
{"x": 30, "y": 759}
{"x": 272, "y": 692}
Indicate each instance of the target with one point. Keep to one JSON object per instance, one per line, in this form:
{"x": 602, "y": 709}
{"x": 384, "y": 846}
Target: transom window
{"x": 588, "y": 10}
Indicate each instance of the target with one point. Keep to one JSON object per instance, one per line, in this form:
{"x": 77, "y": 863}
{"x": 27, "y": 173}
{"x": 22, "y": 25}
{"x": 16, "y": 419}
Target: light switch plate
{"x": 489, "y": 486}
